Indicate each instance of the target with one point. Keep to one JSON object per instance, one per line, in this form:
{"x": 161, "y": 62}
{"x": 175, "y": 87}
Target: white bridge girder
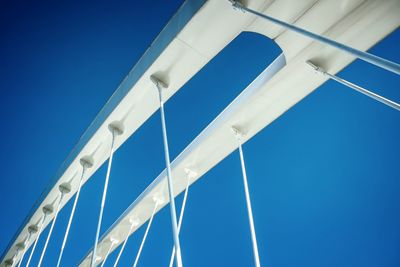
{"x": 199, "y": 31}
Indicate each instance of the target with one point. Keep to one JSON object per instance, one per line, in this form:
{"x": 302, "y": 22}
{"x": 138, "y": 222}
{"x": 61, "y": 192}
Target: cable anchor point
{"x": 190, "y": 173}
{"x": 48, "y": 209}
{"x": 315, "y": 67}
{"x": 134, "y": 221}
{"x": 158, "y": 82}
{"x": 237, "y": 5}
{"x": 86, "y": 162}
{"x": 239, "y": 134}
{"x": 116, "y": 128}
{"x": 114, "y": 240}
{"x": 158, "y": 199}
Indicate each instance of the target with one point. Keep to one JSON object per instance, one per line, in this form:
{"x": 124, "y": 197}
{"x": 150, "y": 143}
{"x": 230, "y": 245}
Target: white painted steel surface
{"x": 356, "y": 23}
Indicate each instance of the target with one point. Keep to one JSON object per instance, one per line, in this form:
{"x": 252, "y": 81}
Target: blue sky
{"x": 324, "y": 177}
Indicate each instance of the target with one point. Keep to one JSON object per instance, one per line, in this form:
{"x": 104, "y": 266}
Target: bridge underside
{"x": 196, "y": 34}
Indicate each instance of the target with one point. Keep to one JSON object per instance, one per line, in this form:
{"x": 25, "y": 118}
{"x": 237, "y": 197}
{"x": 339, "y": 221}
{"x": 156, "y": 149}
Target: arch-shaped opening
{"x": 217, "y": 84}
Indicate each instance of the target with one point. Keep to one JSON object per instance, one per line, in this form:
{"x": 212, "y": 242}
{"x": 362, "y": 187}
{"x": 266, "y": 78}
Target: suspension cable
{"x": 353, "y": 86}
{"x": 37, "y": 237}
{"x": 113, "y": 242}
{"x": 160, "y": 87}
{"x": 145, "y": 234}
{"x": 51, "y": 228}
{"x": 25, "y": 246}
{"x": 370, "y": 58}
{"x": 16, "y": 254}
{"x": 239, "y": 137}
{"x": 134, "y": 222}
{"x": 114, "y": 131}
{"x": 85, "y": 165}
{"x": 190, "y": 174}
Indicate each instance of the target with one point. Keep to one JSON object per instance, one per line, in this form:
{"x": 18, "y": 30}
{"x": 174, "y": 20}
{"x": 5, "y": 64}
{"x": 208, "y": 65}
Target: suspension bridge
{"x": 318, "y": 39}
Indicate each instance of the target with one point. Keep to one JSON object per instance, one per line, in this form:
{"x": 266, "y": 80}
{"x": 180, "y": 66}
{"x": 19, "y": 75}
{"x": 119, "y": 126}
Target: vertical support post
{"x": 160, "y": 87}
{"x": 239, "y": 137}
{"x": 113, "y": 242}
{"x": 115, "y": 130}
{"x": 47, "y": 209}
{"x": 64, "y": 189}
{"x": 367, "y": 57}
{"x": 189, "y": 175}
{"x": 86, "y": 164}
{"x": 157, "y": 202}
{"x": 133, "y": 223}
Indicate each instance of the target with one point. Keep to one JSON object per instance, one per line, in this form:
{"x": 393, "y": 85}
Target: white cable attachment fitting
{"x": 316, "y": 68}
{"x": 20, "y": 246}
{"x": 158, "y": 82}
{"x": 133, "y": 222}
{"x": 190, "y": 174}
{"x": 237, "y": 5}
{"x": 98, "y": 258}
{"x": 161, "y": 85}
{"x": 116, "y": 128}
{"x": 158, "y": 199}
{"x": 239, "y": 134}
{"x": 113, "y": 241}
{"x": 33, "y": 228}
{"x": 48, "y": 209}
{"x": 86, "y": 162}
{"x": 65, "y": 188}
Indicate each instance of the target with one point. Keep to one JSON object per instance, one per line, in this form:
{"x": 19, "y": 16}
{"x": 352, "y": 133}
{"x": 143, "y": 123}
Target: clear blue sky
{"x": 324, "y": 177}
